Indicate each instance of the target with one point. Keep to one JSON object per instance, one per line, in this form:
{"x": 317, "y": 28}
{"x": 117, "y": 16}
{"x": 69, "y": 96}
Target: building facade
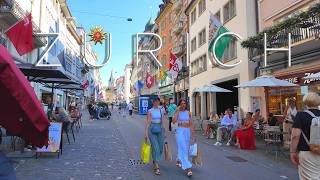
{"x": 304, "y": 51}
{"x": 164, "y": 22}
{"x": 50, "y": 17}
{"x": 127, "y": 82}
{"x": 230, "y": 13}
{"x": 180, "y": 36}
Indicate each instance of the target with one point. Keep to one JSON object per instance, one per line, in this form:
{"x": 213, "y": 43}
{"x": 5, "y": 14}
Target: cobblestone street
{"x": 103, "y": 149}
{"x": 98, "y": 153}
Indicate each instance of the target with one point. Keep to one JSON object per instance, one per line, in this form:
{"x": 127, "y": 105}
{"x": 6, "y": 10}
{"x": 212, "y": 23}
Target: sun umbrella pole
{"x": 52, "y": 91}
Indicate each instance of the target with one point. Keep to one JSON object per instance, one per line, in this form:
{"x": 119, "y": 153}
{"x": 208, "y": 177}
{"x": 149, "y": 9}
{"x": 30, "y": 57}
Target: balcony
{"x": 305, "y": 35}
{"x": 11, "y": 13}
{"x": 179, "y": 50}
{"x": 177, "y": 5}
{"x": 178, "y": 27}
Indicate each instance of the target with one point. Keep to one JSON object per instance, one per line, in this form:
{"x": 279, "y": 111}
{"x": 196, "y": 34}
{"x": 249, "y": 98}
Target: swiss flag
{"x": 149, "y": 80}
{"x": 21, "y": 35}
{"x": 173, "y": 59}
{"x": 85, "y": 84}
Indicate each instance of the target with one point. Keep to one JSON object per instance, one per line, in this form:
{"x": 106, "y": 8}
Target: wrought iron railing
{"x": 302, "y": 32}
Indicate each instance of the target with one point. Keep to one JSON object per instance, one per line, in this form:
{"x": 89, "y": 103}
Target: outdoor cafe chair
{"x": 272, "y": 138}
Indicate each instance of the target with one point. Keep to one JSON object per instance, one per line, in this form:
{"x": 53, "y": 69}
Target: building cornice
{"x": 166, "y": 9}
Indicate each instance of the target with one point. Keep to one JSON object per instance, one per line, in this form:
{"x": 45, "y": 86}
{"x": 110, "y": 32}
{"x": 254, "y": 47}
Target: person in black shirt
{"x": 308, "y": 162}
{"x": 272, "y": 120}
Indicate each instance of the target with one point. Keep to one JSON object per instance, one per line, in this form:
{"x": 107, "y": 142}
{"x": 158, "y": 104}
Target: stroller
{"x": 105, "y": 113}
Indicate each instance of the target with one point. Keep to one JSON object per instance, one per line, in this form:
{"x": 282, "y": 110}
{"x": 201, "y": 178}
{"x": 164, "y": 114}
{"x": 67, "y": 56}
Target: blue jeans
{"x": 157, "y": 142}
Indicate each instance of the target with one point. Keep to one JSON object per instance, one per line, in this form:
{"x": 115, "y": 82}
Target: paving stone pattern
{"x": 99, "y": 152}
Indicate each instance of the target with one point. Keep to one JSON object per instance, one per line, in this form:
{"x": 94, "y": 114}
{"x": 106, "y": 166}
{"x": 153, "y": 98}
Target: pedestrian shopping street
{"x": 103, "y": 150}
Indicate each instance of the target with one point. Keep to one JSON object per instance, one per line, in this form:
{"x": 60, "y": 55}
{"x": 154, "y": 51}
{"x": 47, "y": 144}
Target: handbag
{"x": 145, "y": 152}
{"x": 167, "y": 152}
{"x": 197, "y": 160}
{"x": 193, "y": 149}
{"x": 155, "y": 129}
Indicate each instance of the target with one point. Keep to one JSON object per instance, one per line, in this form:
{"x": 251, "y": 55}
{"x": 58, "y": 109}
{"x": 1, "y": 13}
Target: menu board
{"x": 55, "y": 131}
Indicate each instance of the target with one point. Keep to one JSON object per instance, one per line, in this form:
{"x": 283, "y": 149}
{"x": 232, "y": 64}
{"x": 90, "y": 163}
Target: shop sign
{"x": 55, "y": 132}
{"x": 300, "y": 78}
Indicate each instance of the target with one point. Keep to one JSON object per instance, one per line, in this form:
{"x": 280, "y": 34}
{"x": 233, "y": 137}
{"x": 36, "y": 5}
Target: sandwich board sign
{"x": 55, "y": 135}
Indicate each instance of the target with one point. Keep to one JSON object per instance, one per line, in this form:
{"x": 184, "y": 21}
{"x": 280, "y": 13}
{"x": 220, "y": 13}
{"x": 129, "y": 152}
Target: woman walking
{"x": 305, "y": 130}
{"x": 184, "y": 134}
{"x": 155, "y": 130}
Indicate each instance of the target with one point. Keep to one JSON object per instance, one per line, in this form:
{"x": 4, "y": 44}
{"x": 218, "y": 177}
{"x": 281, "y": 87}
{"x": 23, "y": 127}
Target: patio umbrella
{"x": 266, "y": 81}
{"x": 213, "y": 88}
{"x": 21, "y": 112}
{"x": 313, "y": 76}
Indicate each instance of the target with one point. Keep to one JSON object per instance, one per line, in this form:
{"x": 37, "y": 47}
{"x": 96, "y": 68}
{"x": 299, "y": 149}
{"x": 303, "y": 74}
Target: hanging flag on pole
{"x": 21, "y": 35}
{"x": 162, "y": 75}
{"x": 138, "y": 85}
{"x": 85, "y": 84}
{"x": 175, "y": 66}
{"x": 149, "y": 80}
{"x": 215, "y": 30}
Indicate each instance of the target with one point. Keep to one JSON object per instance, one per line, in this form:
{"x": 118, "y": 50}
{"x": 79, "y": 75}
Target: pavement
{"x": 111, "y": 149}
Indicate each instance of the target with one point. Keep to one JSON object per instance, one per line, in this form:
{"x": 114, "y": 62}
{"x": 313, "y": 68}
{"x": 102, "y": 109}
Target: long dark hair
{"x": 183, "y": 100}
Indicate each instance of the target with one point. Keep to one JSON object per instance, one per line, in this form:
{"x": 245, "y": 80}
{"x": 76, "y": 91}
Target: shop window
{"x": 229, "y": 11}
{"x": 279, "y": 99}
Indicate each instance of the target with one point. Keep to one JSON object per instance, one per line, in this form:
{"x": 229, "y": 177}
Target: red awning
{"x": 21, "y": 113}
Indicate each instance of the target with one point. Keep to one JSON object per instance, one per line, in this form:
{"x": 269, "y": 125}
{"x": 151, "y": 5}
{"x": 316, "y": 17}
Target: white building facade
{"x": 237, "y": 16}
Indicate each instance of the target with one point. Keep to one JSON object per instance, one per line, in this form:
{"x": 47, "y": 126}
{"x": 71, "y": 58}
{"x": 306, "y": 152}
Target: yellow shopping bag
{"x": 145, "y": 152}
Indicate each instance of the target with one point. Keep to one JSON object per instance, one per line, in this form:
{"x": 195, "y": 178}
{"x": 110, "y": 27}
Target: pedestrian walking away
{"x": 172, "y": 108}
{"x": 185, "y": 132}
{"x": 304, "y": 150}
{"x": 155, "y": 130}
{"x": 130, "y": 107}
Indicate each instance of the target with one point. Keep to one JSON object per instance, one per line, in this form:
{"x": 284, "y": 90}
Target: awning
{"x": 21, "y": 112}
{"x": 49, "y": 77}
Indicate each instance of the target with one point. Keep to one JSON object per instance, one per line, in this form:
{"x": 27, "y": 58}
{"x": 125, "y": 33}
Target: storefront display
{"x": 279, "y": 97}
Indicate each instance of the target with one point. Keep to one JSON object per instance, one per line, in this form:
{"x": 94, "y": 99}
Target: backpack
{"x": 314, "y": 143}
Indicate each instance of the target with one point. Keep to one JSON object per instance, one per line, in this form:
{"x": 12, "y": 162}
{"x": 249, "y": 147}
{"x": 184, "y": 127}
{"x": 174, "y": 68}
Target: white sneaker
{"x": 218, "y": 144}
{"x": 228, "y": 144}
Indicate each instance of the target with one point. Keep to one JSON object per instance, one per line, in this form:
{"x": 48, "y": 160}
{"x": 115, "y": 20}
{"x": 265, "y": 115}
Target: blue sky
{"x": 140, "y": 11}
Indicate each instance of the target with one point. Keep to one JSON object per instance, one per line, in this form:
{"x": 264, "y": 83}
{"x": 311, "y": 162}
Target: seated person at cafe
{"x": 272, "y": 120}
{"x": 214, "y": 118}
{"x": 61, "y": 115}
{"x": 245, "y": 138}
{"x": 74, "y": 111}
{"x": 229, "y": 124}
{"x": 258, "y": 118}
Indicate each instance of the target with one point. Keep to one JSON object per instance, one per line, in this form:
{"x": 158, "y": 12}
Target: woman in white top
{"x": 155, "y": 130}
{"x": 290, "y": 113}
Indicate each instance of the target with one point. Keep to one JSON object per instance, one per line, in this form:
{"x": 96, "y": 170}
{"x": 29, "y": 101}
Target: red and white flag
{"x": 149, "y": 81}
{"x": 85, "y": 84}
{"x": 21, "y": 35}
{"x": 175, "y": 66}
